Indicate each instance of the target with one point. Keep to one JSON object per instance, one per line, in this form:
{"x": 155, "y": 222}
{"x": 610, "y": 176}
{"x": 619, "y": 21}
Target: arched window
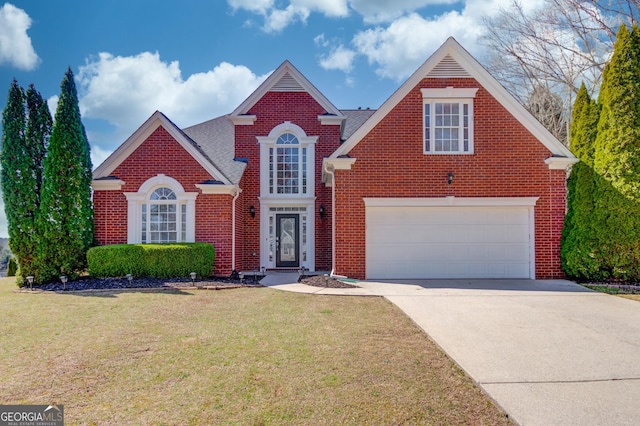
{"x": 288, "y": 166}
{"x": 161, "y": 212}
{"x": 164, "y": 220}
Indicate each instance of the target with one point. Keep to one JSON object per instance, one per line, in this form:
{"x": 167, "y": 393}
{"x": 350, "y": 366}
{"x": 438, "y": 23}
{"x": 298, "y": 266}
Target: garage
{"x": 449, "y": 237}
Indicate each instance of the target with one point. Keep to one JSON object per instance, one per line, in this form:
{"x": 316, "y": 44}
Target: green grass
{"x": 603, "y": 288}
{"x": 246, "y": 356}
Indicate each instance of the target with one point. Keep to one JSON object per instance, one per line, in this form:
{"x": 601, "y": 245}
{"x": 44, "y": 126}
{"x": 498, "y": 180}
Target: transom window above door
{"x": 286, "y": 162}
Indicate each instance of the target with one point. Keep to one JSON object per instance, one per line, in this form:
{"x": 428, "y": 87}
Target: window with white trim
{"x": 164, "y": 219}
{"x": 448, "y": 120}
{"x": 286, "y": 162}
{"x": 287, "y": 166}
{"x": 161, "y": 212}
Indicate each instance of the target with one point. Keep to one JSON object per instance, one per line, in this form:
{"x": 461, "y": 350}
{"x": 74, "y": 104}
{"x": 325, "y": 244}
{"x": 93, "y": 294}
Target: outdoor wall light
{"x": 64, "y": 280}
{"x": 450, "y": 178}
{"x": 30, "y": 280}
{"x": 252, "y": 211}
{"x": 321, "y": 211}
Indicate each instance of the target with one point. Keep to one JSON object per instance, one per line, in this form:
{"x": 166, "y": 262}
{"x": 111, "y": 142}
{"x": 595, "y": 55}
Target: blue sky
{"x": 198, "y": 59}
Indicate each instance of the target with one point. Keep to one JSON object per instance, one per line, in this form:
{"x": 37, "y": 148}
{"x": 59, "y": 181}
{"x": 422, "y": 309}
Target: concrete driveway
{"x": 548, "y": 352}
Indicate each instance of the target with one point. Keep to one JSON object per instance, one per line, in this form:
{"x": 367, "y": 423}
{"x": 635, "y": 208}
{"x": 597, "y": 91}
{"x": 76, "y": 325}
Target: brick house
{"x": 450, "y": 178}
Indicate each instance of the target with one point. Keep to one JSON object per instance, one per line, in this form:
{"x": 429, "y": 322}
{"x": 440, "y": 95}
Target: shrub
{"x": 12, "y": 267}
{"x": 151, "y": 260}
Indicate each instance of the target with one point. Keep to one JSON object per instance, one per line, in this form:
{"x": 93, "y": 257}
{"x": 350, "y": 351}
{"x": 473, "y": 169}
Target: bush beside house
{"x": 151, "y": 260}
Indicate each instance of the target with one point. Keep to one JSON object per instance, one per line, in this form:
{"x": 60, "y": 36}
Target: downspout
{"x": 233, "y": 229}
{"x": 330, "y": 170}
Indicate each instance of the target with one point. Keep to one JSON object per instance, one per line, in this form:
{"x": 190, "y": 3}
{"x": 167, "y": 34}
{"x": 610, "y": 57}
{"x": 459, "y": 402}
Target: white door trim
{"x": 524, "y": 202}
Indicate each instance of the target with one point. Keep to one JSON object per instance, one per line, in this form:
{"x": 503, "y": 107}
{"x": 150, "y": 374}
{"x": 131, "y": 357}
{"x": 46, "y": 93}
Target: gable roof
{"x": 156, "y": 120}
{"x": 286, "y": 78}
{"x": 451, "y": 60}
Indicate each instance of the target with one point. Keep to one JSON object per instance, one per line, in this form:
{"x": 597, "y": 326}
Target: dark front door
{"x": 287, "y": 241}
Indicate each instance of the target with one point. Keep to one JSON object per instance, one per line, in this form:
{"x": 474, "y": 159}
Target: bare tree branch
{"x": 551, "y": 51}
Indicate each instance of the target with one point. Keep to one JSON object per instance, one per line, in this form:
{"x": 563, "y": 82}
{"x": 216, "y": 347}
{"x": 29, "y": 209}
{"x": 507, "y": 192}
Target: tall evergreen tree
{"x": 579, "y": 237}
{"x": 616, "y": 161}
{"x": 618, "y": 143}
{"x": 38, "y": 131}
{"x": 66, "y": 219}
{"x": 18, "y": 181}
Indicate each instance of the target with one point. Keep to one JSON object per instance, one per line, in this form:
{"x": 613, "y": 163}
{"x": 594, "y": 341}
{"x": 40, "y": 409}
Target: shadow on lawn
{"x": 117, "y": 292}
{"x": 110, "y": 287}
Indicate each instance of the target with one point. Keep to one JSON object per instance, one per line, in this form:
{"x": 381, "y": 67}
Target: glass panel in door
{"x": 287, "y": 240}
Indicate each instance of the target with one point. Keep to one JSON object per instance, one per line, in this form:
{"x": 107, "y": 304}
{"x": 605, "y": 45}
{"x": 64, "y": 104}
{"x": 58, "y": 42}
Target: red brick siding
{"x": 507, "y": 162}
{"x": 273, "y": 109}
{"x": 110, "y": 217}
{"x": 160, "y": 153}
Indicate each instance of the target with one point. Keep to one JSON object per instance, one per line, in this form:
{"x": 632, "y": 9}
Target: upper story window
{"x": 287, "y": 162}
{"x": 448, "y": 120}
{"x": 288, "y": 166}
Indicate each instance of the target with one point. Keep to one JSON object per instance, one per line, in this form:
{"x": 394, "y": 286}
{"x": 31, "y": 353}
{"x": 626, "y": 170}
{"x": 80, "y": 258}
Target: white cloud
{"x": 377, "y": 11}
{"x": 15, "y": 44}
{"x": 125, "y": 91}
{"x": 406, "y": 43}
{"x": 340, "y": 59}
{"x": 256, "y": 6}
{"x": 52, "y": 103}
{"x": 278, "y": 18}
{"x": 320, "y": 40}
{"x": 399, "y": 48}
{"x": 98, "y": 155}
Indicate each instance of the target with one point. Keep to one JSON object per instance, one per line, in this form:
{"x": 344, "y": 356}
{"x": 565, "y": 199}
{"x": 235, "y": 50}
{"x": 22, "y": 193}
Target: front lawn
{"x": 631, "y": 296}
{"x": 244, "y": 356}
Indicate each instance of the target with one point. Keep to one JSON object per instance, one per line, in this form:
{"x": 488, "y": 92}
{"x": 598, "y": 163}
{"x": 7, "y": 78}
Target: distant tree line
{"x": 5, "y": 253}
{"x": 46, "y": 183}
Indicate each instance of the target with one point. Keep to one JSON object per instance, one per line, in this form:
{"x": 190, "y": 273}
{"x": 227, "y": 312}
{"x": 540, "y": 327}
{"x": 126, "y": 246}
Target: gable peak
{"x": 448, "y": 67}
{"x": 286, "y": 78}
{"x": 287, "y": 83}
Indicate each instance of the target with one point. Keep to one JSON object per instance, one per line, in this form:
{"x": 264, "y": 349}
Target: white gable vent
{"x": 287, "y": 84}
{"x": 448, "y": 67}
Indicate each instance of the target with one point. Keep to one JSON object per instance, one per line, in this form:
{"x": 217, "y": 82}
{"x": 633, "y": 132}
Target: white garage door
{"x": 449, "y": 242}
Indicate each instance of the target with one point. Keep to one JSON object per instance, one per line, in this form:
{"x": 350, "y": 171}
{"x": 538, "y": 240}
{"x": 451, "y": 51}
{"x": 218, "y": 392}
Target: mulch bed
{"x": 86, "y": 283}
{"x": 325, "y": 281}
{"x": 218, "y": 283}
{"x": 613, "y": 286}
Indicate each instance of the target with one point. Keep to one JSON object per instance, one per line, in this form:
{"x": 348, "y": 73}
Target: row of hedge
{"x": 151, "y": 260}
